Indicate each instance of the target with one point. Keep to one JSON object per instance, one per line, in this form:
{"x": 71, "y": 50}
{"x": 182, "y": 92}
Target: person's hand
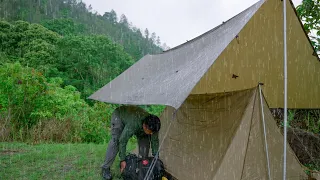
{"x": 122, "y": 166}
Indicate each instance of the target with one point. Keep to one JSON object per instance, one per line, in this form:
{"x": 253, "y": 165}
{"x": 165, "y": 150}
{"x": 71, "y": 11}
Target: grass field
{"x": 53, "y": 161}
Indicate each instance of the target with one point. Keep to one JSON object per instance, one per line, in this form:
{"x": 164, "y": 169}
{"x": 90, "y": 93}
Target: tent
{"x": 211, "y": 82}
{"x": 221, "y": 136}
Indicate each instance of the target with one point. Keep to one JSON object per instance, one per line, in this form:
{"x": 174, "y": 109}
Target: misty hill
{"x": 75, "y": 17}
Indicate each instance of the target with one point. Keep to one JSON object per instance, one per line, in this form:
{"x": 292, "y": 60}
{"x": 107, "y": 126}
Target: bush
{"x": 19, "y": 89}
{"x": 307, "y": 119}
{"x": 32, "y": 108}
{"x": 97, "y": 127}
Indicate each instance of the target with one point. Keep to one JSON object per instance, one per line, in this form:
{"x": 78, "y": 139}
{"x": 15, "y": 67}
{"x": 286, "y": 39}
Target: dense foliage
{"x": 34, "y": 107}
{"x": 46, "y": 78}
{"x": 48, "y": 70}
{"x": 75, "y": 17}
{"x": 85, "y": 62}
{"x": 309, "y": 13}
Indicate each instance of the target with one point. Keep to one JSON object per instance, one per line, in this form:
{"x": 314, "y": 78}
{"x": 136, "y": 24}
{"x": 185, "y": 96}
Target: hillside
{"x": 53, "y": 55}
{"x": 75, "y": 17}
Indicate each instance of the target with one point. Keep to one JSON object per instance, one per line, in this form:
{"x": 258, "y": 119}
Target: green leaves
{"x": 32, "y": 44}
{"x": 19, "y": 89}
{"x": 28, "y": 99}
{"x": 46, "y": 73}
{"x": 91, "y": 61}
{"x": 59, "y": 103}
{"x": 47, "y": 76}
{"x": 73, "y": 17}
{"x": 64, "y": 26}
{"x": 86, "y": 62}
{"x": 309, "y": 13}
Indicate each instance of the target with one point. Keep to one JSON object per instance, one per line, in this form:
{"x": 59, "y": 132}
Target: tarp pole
{"x": 285, "y": 88}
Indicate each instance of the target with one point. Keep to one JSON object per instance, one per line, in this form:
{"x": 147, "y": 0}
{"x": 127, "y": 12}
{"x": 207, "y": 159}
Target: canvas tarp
{"x": 169, "y": 78}
{"x": 238, "y": 54}
{"x": 220, "y": 136}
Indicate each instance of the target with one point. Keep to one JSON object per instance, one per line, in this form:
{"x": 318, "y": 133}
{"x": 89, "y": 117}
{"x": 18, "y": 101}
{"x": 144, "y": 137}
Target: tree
{"x": 139, "y": 32}
{"x": 158, "y": 42}
{"x": 89, "y": 62}
{"x": 64, "y": 26}
{"x": 153, "y": 37}
{"x": 309, "y": 13}
{"x": 73, "y": 17}
{"x": 111, "y": 16}
{"x": 146, "y": 33}
{"x": 90, "y": 8}
{"x": 124, "y": 20}
{"x": 31, "y": 44}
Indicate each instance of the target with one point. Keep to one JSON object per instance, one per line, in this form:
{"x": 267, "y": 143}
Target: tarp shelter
{"x": 233, "y": 57}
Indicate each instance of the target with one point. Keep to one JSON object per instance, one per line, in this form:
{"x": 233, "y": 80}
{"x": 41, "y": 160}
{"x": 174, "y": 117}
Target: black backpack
{"x": 137, "y": 168}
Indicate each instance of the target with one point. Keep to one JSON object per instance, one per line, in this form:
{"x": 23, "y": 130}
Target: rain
{"x": 160, "y": 90}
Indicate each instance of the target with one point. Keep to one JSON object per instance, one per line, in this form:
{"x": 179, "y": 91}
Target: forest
{"x": 54, "y": 54}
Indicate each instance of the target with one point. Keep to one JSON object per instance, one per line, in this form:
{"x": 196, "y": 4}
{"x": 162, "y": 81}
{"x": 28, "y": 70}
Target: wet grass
{"x": 53, "y": 161}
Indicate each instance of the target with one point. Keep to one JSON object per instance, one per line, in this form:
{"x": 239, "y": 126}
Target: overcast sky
{"x": 175, "y": 21}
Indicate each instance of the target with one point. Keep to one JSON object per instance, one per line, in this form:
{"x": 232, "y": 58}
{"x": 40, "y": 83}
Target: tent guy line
{"x": 265, "y": 133}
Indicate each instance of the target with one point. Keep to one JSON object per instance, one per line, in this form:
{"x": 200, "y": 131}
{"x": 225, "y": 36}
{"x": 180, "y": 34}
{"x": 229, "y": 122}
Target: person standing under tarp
{"x": 126, "y": 122}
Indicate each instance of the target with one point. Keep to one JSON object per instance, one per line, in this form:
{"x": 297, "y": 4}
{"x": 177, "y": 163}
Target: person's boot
{"x": 106, "y": 174}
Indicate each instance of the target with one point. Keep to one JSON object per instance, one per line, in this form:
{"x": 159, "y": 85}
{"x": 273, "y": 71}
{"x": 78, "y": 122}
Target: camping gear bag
{"x": 137, "y": 168}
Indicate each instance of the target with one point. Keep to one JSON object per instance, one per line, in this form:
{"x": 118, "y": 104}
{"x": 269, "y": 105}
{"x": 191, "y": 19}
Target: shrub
{"x": 39, "y": 110}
